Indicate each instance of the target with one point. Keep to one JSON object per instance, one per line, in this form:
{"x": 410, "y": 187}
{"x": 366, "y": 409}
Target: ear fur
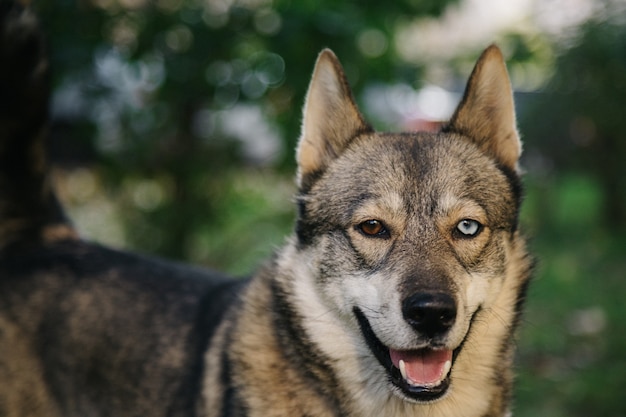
{"x": 331, "y": 118}
{"x": 486, "y": 113}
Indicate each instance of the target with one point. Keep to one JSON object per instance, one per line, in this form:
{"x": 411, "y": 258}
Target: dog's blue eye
{"x": 468, "y": 227}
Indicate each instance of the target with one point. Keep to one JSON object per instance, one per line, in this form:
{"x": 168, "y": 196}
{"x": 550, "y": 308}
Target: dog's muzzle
{"x": 422, "y": 375}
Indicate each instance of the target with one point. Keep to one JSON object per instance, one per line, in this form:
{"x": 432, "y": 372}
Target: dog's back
{"x": 89, "y": 331}
{"x": 84, "y": 330}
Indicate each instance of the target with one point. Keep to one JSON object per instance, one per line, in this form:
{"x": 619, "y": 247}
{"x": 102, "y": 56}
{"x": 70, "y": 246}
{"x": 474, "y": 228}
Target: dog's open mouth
{"x": 423, "y": 368}
{"x": 422, "y": 375}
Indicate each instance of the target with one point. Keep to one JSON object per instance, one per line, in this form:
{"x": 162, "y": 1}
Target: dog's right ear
{"x": 331, "y": 119}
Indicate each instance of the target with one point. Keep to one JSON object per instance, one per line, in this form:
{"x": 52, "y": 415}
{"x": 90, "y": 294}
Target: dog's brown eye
{"x": 373, "y": 228}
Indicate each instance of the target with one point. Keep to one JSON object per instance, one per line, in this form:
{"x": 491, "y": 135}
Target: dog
{"x": 398, "y": 294}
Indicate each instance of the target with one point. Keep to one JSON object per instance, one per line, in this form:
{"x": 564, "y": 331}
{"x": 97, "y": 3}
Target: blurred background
{"x": 175, "y": 121}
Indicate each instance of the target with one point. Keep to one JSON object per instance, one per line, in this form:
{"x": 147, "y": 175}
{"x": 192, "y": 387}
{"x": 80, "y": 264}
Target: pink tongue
{"x": 424, "y": 366}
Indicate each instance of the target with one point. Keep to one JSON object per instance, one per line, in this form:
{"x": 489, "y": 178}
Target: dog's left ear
{"x": 331, "y": 119}
{"x": 486, "y": 113}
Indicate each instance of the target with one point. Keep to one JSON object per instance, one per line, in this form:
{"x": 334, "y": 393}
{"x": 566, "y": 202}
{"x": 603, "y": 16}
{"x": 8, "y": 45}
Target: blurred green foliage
{"x": 571, "y": 346}
{"x": 154, "y": 99}
{"x": 579, "y": 122}
{"x": 144, "y": 86}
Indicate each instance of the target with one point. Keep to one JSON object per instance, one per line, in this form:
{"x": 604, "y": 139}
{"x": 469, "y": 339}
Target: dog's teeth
{"x": 403, "y": 370}
{"x": 408, "y": 380}
{"x": 446, "y": 368}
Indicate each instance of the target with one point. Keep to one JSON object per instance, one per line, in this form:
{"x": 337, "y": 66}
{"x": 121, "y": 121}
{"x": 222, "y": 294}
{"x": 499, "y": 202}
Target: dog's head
{"x": 409, "y": 231}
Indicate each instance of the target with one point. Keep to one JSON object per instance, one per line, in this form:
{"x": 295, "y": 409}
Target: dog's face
{"x": 410, "y": 230}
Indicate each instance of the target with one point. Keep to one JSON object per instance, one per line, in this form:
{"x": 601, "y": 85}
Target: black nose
{"x": 430, "y": 313}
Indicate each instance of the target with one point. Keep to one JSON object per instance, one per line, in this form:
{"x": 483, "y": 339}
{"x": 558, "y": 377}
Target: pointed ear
{"x": 331, "y": 119}
{"x": 486, "y": 113}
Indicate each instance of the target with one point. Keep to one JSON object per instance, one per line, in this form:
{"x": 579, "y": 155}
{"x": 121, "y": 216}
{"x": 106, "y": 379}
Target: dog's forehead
{"x": 419, "y": 161}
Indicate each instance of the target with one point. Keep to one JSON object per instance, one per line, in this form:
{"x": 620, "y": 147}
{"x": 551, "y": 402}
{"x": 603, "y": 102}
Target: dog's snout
{"x": 430, "y": 313}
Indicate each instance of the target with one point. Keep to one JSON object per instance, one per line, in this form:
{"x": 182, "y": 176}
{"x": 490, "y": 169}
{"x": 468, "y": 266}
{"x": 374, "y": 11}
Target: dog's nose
{"x": 430, "y": 313}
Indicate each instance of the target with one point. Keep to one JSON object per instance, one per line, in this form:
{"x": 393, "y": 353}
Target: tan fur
{"x": 30, "y": 397}
{"x": 268, "y": 368}
{"x": 58, "y": 232}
